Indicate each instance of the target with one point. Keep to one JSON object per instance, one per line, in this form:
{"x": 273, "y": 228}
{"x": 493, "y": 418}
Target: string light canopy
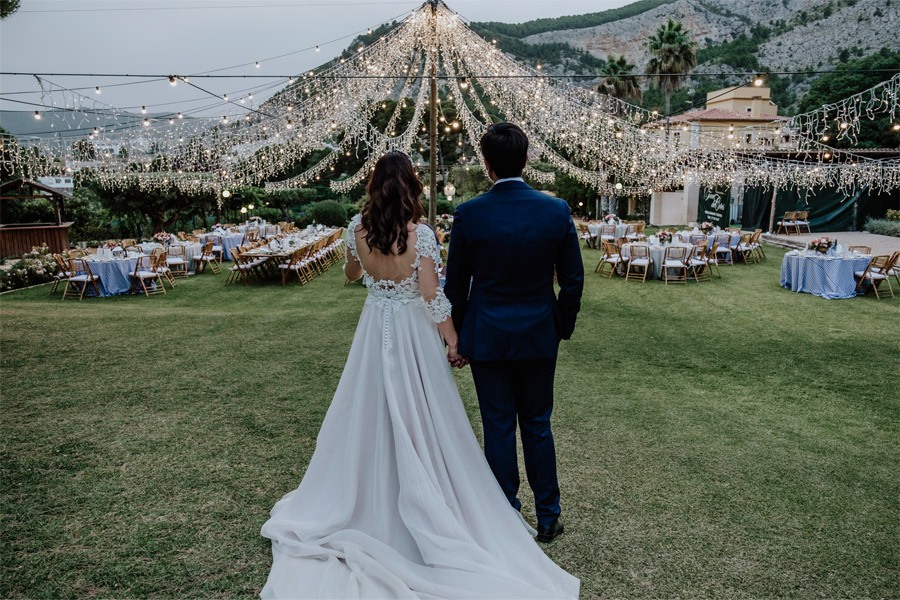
{"x": 434, "y": 54}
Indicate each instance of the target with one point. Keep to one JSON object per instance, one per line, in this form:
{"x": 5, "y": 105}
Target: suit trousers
{"x": 511, "y": 391}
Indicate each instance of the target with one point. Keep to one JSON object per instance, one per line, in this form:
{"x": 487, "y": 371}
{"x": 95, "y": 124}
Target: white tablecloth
{"x": 825, "y": 276}
{"x": 594, "y": 230}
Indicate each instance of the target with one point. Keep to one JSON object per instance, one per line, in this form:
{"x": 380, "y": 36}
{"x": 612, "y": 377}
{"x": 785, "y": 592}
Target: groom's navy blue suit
{"x": 504, "y": 248}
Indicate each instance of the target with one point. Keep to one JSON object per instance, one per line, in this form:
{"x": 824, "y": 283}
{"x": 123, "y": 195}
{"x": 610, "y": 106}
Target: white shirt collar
{"x": 509, "y": 179}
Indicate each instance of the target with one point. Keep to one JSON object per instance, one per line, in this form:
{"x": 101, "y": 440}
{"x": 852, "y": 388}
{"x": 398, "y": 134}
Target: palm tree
{"x": 674, "y": 53}
{"x": 618, "y": 80}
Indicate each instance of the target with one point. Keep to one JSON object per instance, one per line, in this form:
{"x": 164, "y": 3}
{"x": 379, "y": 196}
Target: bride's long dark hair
{"x": 393, "y": 192}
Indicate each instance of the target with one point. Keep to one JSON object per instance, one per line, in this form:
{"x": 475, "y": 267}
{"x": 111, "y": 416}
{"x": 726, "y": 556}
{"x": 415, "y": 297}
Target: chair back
{"x": 860, "y": 249}
{"x": 639, "y": 251}
{"x": 675, "y": 253}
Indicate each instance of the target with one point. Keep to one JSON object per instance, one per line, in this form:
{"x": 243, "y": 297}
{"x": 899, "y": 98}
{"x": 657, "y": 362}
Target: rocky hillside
{"x": 776, "y": 35}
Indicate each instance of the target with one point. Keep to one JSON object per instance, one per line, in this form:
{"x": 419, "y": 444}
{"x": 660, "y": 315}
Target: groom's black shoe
{"x": 550, "y": 532}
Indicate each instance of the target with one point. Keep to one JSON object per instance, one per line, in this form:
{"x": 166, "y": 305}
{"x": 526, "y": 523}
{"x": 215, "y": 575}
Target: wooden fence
{"x": 18, "y": 239}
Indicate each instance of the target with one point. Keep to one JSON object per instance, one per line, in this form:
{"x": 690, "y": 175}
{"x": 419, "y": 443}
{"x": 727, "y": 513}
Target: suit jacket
{"x": 504, "y": 247}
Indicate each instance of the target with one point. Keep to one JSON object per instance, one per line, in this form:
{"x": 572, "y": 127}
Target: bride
{"x": 398, "y": 500}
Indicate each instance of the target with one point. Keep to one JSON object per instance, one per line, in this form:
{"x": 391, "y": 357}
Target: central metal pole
{"x": 433, "y": 121}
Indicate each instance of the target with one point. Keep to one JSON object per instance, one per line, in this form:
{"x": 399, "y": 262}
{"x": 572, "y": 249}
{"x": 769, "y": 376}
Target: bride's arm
{"x": 352, "y": 268}
{"x": 438, "y": 305}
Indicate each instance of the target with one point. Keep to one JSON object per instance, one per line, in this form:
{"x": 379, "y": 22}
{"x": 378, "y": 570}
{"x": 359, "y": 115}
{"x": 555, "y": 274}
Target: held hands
{"x": 455, "y": 359}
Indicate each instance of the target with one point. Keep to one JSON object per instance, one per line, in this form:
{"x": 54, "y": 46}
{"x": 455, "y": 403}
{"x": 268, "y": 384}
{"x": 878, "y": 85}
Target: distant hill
{"x": 761, "y": 35}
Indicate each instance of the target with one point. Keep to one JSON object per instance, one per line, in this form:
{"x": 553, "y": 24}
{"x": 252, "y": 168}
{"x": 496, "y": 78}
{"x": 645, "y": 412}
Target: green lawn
{"x": 731, "y": 439}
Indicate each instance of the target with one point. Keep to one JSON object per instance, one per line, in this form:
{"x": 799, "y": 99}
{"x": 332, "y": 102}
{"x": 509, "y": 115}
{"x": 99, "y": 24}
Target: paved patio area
{"x": 880, "y": 244}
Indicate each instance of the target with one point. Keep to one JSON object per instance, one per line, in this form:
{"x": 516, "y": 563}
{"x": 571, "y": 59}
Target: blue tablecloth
{"x": 115, "y": 275}
{"x": 826, "y": 276}
{"x": 229, "y": 241}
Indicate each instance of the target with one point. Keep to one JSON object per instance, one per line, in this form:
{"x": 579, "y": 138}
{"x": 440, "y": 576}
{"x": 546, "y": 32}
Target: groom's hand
{"x": 455, "y": 359}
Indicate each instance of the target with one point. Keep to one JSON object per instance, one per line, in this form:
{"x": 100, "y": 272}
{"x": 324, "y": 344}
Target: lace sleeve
{"x": 350, "y": 236}
{"x": 428, "y": 264}
{"x": 427, "y": 247}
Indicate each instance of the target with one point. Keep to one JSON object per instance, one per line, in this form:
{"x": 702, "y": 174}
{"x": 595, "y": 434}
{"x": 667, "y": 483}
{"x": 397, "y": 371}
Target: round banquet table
{"x": 822, "y": 275}
{"x": 114, "y": 274}
{"x": 594, "y": 230}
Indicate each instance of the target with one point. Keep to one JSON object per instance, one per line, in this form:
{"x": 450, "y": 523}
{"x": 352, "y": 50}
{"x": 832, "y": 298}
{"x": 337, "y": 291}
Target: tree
{"x": 674, "y": 53}
{"x": 618, "y": 80}
{"x": 8, "y": 7}
{"x": 847, "y": 80}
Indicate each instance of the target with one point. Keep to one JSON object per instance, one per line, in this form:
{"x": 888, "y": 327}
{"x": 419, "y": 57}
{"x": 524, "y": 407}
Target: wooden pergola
{"x": 17, "y": 239}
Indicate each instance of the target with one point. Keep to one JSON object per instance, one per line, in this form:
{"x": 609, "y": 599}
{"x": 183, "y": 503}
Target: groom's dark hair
{"x": 505, "y": 148}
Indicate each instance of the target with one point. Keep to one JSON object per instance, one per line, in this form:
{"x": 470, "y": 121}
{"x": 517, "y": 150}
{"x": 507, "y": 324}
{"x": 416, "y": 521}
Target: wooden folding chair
{"x": 207, "y": 258}
{"x": 788, "y": 221}
{"x": 675, "y": 258}
{"x": 698, "y": 261}
{"x": 723, "y": 251}
{"x": 80, "y": 278}
{"x": 874, "y": 274}
{"x": 744, "y": 248}
{"x": 756, "y": 243}
{"x": 145, "y": 278}
{"x": 639, "y": 258}
{"x": 860, "y": 249}
{"x": 62, "y": 271}
{"x": 161, "y": 267}
{"x": 610, "y": 257}
{"x": 241, "y": 269}
{"x": 712, "y": 259}
{"x": 802, "y": 220}
{"x": 176, "y": 260}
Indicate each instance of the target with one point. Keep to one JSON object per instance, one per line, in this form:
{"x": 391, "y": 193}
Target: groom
{"x": 504, "y": 248}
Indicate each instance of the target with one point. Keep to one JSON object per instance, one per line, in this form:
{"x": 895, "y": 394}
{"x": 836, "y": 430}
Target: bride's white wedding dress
{"x": 398, "y": 500}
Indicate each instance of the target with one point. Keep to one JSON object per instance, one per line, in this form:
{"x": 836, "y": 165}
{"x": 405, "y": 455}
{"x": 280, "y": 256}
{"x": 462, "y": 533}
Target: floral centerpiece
{"x": 112, "y": 244}
{"x": 664, "y": 236}
{"x": 611, "y": 219}
{"x": 162, "y": 237}
{"x": 445, "y": 222}
{"x": 706, "y": 226}
{"x": 822, "y": 244}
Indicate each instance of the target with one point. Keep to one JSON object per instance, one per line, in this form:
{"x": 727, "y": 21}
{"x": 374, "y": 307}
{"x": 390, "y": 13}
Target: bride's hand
{"x": 455, "y": 359}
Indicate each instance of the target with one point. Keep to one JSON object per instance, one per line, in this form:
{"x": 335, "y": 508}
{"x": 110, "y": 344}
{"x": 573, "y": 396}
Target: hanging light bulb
{"x": 257, "y": 64}
{"x": 180, "y": 116}
{"x": 290, "y": 124}
{"x": 143, "y": 110}
{"x": 97, "y": 90}
{"x": 37, "y": 115}
{"x": 225, "y": 97}
{"x": 250, "y": 96}
{"x": 172, "y": 81}
{"x": 317, "y": 49}
{"x": 146, "y": 122}
{"x": 224, "y": 119}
